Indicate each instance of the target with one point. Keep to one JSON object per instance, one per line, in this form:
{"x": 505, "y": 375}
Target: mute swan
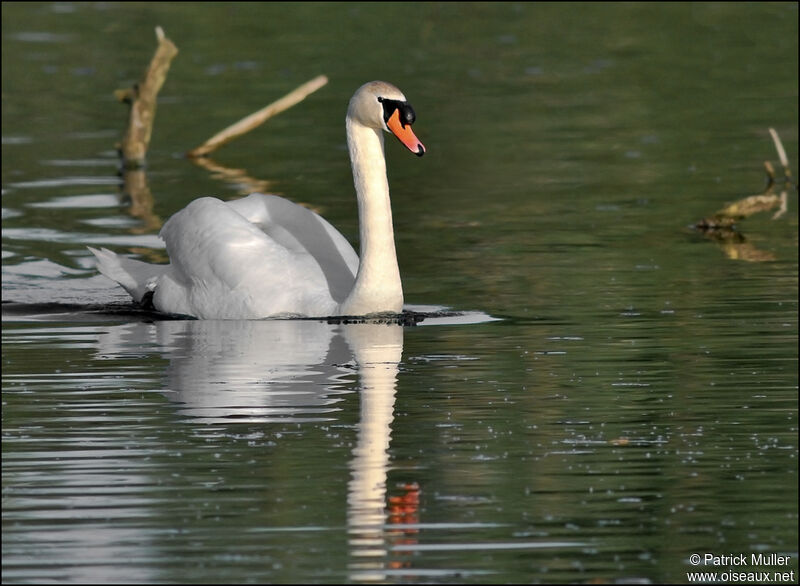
{"x": 264, "y": 256}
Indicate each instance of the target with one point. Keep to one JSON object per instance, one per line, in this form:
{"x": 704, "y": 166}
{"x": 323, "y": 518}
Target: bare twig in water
{"x": 748, "y": 206}
{"x": 770, "y": 173}
{"x": 765, "y": 201}
{"x": 781, "y": 154}
{"x": 142, "y": 98}
{"x": 787, "y": 173}
{"x": 721, "y": 227}
{"x": 782, "y": 207}
{"x": 257, "y": 118}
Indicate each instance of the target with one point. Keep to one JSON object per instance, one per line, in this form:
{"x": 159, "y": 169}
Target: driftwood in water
{"x": 781, "y": 155}
{"x": 721, "y": 227}
{"x": 133, "y": 148}
{"x": 142, "y": 99}
{"x": 257, "y": 118}
{"x": 767, "y": 200}
{"x": 760, "y": 202}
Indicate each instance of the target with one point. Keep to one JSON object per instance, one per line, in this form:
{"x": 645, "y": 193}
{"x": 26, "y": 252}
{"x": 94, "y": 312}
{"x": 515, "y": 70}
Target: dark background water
{"x": 636, "y": 403}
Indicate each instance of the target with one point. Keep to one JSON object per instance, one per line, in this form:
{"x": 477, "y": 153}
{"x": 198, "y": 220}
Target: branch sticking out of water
{"x": 257, "y": 118}
{"x": 765, "y": 201}
{"x": 781, "y": 154}
{"x": 748, "y": 206}
{"x": 142, "y": 98}
{"x": 722, "y": 226}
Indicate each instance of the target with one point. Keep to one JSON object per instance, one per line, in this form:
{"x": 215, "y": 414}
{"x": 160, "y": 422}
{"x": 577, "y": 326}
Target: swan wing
{"x": 136, "y": 277}
{"x": 256, "y": 257}
{"x": 304, "y": 231}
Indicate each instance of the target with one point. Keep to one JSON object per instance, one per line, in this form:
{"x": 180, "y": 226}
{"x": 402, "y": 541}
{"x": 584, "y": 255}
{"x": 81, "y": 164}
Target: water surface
{"x": 633, "y": 402}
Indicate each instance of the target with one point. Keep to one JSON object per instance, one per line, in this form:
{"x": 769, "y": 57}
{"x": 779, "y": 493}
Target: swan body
{"x": 264, "y": 256}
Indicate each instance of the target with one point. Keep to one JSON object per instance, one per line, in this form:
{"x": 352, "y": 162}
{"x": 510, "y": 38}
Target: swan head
{"x": 382, "y": 106}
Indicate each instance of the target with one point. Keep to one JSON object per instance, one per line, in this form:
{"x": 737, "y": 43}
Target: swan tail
{"x": 136, "y": 277}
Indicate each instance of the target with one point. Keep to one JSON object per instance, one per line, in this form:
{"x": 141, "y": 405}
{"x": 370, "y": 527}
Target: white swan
{"x": 264, "y": 256}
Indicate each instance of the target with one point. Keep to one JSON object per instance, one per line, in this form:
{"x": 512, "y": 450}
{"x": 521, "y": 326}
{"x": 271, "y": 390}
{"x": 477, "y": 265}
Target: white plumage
{"x": 264, "y": 256}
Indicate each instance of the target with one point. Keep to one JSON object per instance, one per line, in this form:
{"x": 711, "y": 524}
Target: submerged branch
{"x": 257, "y": 118}
{"x": 142, "y": 98}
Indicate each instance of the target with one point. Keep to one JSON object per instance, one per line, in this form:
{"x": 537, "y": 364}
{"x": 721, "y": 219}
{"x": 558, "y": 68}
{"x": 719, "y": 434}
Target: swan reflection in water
{"x": 291, "y": 371}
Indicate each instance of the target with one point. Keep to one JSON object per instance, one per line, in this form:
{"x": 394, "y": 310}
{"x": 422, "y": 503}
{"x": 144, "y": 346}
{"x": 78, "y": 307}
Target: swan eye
{"x": 407, "y": 115}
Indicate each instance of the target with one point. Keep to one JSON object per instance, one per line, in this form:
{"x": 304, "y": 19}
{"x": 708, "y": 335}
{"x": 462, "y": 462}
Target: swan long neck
{"x": 377, "y": 287}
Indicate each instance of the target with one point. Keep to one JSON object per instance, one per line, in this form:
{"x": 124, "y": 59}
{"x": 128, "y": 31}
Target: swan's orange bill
{"x": 405, "y": 134}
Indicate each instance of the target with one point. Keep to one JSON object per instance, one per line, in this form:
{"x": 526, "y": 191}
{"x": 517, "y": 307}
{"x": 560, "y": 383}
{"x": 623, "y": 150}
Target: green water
{"x": 635, "y": 403}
